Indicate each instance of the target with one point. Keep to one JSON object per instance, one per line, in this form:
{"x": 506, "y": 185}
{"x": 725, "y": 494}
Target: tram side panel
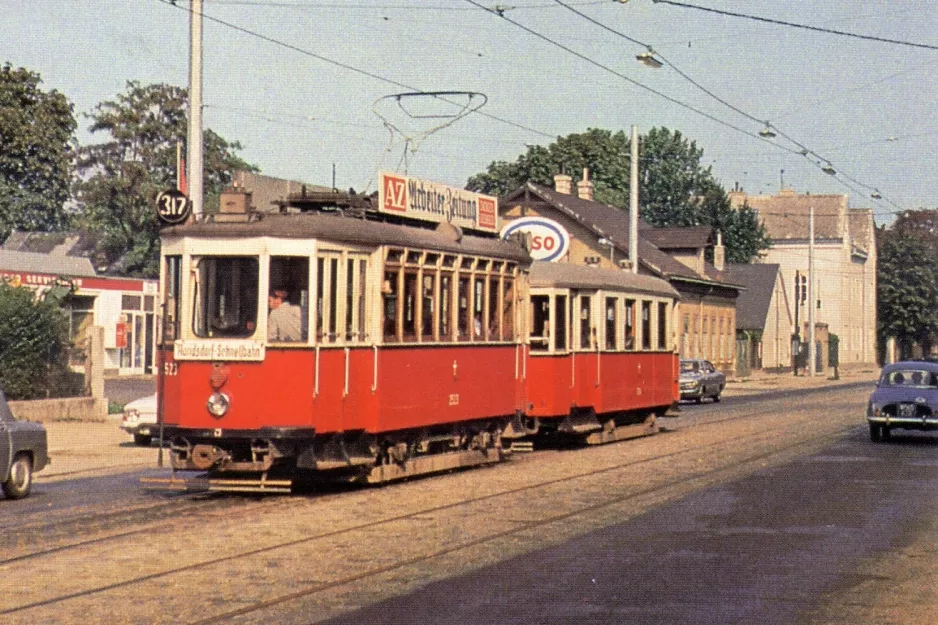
{"x": 549, "y": 386}
{"x": 421, "y": 387}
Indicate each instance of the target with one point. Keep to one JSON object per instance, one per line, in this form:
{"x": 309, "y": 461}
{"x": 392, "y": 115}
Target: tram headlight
{"x": 218, "y": 404}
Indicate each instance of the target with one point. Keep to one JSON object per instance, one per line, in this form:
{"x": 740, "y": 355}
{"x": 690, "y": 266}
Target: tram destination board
{"x": 173, "y": 207}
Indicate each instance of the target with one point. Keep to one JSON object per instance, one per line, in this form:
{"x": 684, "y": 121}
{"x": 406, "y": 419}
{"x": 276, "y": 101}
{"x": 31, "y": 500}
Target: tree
{"x": 676, "y": 190}
{"x": 907, "y": 281}
{"x": 120, "y": 178}
{"x": 37, "y": 130}
{"x": 34, "y": 343}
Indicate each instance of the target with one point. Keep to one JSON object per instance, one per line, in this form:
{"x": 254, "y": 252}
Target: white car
{"x": 140, "y": 419}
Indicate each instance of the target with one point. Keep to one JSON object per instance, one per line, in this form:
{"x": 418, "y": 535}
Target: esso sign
{"x": 549, "y": 240}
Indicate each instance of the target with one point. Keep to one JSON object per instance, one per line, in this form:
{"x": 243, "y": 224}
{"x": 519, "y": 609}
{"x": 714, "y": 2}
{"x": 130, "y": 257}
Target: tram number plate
{"x": 454, "y": 399}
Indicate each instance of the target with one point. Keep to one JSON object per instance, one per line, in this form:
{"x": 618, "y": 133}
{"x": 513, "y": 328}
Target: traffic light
{"x": 804, "y": 289}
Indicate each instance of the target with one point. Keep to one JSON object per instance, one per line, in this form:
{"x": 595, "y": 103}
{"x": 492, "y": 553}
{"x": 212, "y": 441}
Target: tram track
{"x": 702, "y": 479}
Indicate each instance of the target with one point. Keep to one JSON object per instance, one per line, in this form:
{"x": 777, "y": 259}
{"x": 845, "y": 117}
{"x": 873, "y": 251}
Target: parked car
{"x": 24, "y": 449}
{"x": 140, "y": 419}
{"x": 700, "y": 379}
{"x": 906, "y": 396}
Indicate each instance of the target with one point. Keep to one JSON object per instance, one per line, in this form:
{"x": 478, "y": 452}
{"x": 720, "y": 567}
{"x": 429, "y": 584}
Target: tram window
{"x": 585, "y": 323}
{"x": 560, "y": 322}
{"x": 611, "y": 322}
{"x": 395, "y": 256}
{"x": 172, "y": 280}
{"x": 646, "y": 325}
{"x": 225, "y": 299}
{"x": 410, "y": 306}
{"x": 427, "y": 297}
{"x": 478, "y": 312}
{"x": 494, "y": 314}
{"x": 540, "y": 323}
{"x": 414, "y": 258}
{"x": 630, "y": 324}
{"x": 389, "y": 292}
{"x": 508, "y": 309}
{"x": 467, "y": 262}
{"x": 462, "y": 314}
{"x": 662, "y": 325}
{"x": 355, "y": 298}
{"x": 449, "y": 261}
{"x": 446, "y": 307}
{"x": 289, "y": 299}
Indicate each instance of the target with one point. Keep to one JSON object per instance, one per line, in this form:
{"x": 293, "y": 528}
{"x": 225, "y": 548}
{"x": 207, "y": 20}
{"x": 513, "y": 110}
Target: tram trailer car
{"x": 406, "y": 350}
{"x": 600, "y": 365}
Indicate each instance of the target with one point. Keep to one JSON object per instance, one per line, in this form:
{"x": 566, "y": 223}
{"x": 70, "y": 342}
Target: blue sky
{"x": 867, "y": 107}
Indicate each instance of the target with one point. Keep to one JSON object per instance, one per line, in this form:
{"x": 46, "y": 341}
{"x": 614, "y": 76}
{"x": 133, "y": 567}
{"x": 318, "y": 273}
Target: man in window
{"x": 284, "y": 319}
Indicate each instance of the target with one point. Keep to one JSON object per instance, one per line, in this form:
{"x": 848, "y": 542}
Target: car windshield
{"x": 910, "y": 377}
{"x": 690, "y": 366}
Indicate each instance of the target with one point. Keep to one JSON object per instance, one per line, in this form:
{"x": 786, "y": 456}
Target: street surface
{"x": 774, "y": 509}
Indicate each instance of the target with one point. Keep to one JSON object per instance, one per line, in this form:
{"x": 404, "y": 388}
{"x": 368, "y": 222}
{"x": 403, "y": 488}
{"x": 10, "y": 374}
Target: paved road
{"x": 821, "y": 539}
{"x": 126, "y": 389}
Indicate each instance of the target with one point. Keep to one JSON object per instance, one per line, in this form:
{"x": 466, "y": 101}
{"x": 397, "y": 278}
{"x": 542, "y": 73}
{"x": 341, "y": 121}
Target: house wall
{"x": 844, "y": 284}
{"x": 776, "y": 336}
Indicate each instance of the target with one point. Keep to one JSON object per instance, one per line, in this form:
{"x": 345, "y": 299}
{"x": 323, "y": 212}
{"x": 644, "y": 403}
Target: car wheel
{"x": 21, "y": 477}
{"x": 699, "y": 398}
{"x": 876, "y": 432}
{"x": 716, "y": 398}
{"x": 142, "y": 439}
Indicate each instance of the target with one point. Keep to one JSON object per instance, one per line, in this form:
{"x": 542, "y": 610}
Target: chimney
{"x": 584, "y": 188}
{"x": 719, "y": 253}
{"x": 563, "y": 183}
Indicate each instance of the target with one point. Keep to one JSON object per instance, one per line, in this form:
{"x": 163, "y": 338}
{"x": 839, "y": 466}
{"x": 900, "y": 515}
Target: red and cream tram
{"x": 352, "y": 348}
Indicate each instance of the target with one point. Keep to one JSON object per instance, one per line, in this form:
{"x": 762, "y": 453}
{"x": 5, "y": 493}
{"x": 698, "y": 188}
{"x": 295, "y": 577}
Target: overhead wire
{"x": 803, "y": 150}
{"x": 344, "y": 66}
{"x": 500, "y": 12}
{"x": 820, "y": 29}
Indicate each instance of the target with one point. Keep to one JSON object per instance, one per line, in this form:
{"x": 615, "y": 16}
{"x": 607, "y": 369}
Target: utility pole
{"x": 195, "y": 136}
{"x": 812, "y": 296}
{"x": 633, "y": 202}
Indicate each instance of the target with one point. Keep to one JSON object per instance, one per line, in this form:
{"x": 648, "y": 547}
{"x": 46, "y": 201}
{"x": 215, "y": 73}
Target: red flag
{"x": 181, "y": 183}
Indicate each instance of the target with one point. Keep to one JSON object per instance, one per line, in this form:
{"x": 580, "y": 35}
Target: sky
{"x": 309, "y": 87}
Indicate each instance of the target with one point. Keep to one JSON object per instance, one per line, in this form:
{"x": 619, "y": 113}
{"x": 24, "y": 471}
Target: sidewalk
{"x": 761, "y": 381}
{"x": 86, "y": 449}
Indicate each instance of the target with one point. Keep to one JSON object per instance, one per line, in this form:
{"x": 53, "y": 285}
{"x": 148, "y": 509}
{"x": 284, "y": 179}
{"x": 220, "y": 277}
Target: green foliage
{"x": 34, "y": 345}
{"x": 36, "y": 133}
{"x": 907, "y": 281}
{"x": 120, "y": 178}
{"x": 675, "y": 189}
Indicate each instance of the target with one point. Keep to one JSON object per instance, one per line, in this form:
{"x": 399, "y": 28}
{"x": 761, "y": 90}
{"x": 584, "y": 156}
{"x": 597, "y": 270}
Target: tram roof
{"x": 336, "y": 227}
{"x": 569, "y": 275}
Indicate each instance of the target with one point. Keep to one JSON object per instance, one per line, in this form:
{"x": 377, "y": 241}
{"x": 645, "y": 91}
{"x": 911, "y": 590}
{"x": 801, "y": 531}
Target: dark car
{"x": 906, "y": 397}
{"x": 700, "y": 379}
{"x": 23, "y": 451}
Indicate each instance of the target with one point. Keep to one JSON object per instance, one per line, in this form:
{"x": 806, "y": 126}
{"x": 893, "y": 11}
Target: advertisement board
{"x": 549, "y": 241}
{"x": 430, "y": 201}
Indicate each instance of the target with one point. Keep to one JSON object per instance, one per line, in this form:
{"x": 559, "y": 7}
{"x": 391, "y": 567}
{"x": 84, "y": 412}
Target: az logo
{"x": 395, "y": 194}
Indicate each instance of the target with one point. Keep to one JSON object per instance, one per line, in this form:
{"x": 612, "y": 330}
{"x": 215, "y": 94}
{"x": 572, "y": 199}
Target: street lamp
{"x": 648, "y": 58}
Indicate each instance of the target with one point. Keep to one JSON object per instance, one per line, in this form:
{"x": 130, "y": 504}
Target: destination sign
{"x": 431, "y": 201}
{"x": 218, "y": 350}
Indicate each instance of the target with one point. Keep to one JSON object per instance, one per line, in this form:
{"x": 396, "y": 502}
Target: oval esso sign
{"x": 549, "y": 240}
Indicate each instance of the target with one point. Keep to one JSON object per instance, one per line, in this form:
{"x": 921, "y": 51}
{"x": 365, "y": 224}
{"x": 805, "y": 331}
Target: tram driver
{"x": 284, "y": 321}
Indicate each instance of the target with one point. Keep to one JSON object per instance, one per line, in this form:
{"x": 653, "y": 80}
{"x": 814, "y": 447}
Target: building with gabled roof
{"x": 763, "y": 316}
{"x": 125, "y": 307}
{"x": 844, "y": 264}
{"x": 705, "y": 323}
